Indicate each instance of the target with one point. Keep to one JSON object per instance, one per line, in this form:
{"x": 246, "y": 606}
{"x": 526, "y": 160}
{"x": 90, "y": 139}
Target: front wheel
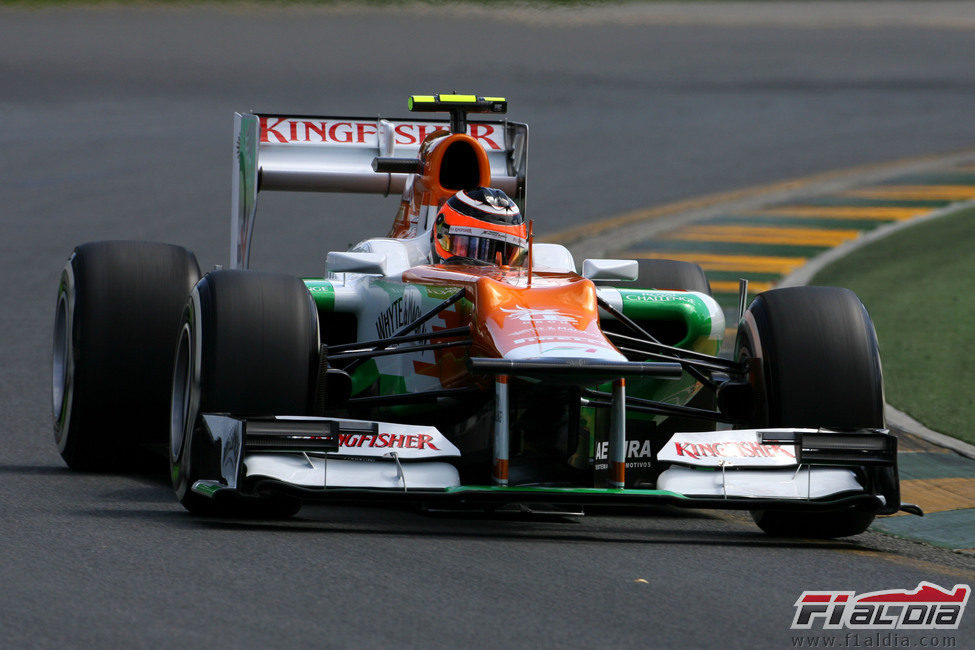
{"x": 248, "y": 346}
{"x": 820, "y": 367}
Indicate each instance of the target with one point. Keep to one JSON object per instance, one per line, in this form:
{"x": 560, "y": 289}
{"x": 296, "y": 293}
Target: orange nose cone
{"x": 539, "y": 321}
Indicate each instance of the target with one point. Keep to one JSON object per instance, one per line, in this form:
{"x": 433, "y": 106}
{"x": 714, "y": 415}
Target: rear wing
{"x": 335, "y": 154}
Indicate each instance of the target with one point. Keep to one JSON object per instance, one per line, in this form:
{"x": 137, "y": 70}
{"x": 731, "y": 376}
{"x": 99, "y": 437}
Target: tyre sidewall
{"x": 820, "y": 362}
{"x": 63, "y": 363}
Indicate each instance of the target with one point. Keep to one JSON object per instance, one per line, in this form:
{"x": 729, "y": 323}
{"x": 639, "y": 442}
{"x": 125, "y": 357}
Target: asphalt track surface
{"x": 117, "y": 124}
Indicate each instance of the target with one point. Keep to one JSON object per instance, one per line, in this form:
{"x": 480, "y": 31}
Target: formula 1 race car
{"x": 456, "y": 363}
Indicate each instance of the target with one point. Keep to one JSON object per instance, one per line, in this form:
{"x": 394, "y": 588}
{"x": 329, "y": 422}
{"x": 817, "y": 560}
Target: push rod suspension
{"x": 695, "y": 363}
{"x": 408, "y": 328}
{"x": 699, "y": 359}
{"x": 410, "y": 398}
{"x": 603, "y": 399}
{"x": 396, "y": 340}
{"x": 368, "y": 354}
{"x": 704, "y": 366}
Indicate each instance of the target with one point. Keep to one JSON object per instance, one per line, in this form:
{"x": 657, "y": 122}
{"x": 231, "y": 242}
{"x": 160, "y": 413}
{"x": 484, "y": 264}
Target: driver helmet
{"x": 478, "y": 224}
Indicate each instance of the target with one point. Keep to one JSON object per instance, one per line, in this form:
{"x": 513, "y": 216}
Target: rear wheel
{"x": 821, "y": 366}
{"x": 248, "y": 346}
{"x": 671, "y": 275}
{"x": 115, "y": 327}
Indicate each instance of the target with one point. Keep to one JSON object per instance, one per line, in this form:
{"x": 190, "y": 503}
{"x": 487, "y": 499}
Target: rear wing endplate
{"x": 335, "y": 154}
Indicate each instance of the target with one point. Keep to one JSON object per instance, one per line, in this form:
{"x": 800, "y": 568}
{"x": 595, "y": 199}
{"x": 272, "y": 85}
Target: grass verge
{"x": 919, "y": 287}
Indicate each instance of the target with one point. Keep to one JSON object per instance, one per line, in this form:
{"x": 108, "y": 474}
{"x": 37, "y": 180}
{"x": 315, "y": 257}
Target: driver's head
{"x": 479, "y": 224}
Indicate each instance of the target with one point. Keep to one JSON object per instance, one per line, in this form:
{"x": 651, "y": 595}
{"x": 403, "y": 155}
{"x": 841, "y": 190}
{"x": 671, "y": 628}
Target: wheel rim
{"x": 182, "y": 384}
{"x": 61, "y": 368}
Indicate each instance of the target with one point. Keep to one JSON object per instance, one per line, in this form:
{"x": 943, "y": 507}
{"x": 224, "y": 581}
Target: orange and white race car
{"x": 455, "y": 362}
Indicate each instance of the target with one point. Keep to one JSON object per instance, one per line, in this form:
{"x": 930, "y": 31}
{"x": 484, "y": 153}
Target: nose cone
{"x": 540, "y": 322}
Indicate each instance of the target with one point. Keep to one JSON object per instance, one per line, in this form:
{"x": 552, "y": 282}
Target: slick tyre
{"x": 820, "y": 361}
{"x": 248, "y": 345}
{"x": 671, "y": 275}
{"x": 115, "y": 324}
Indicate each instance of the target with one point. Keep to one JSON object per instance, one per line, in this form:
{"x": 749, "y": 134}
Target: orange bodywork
{"x": 547, "y": 315}
{"x": 556, "y": 316}
{"x": 450, "y": 163}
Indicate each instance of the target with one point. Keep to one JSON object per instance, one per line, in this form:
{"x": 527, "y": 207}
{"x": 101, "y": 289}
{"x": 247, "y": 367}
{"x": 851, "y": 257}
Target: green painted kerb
{"x": 323, "y": 293}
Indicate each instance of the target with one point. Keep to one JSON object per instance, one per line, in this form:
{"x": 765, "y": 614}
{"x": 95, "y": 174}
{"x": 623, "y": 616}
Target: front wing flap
{"x": 336, "y": 460}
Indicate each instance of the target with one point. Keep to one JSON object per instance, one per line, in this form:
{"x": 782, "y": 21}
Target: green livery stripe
{"x": 206, "y": 489}
{"x": 392, "y": 385}
{"x": 518, "y": 489}
{"x": 364, "y": 376}
{"x": 323, "y": 292}
{"x": 640, "y": 304}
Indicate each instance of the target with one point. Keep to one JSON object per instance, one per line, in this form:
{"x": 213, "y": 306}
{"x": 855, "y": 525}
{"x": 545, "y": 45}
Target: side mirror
{"x": 610, "y": 269}
{"x": 345, "y": 262}
{"x": 553, "y": 258}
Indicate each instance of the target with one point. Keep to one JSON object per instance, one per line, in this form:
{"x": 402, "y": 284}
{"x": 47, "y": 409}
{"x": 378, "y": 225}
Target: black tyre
{"x": 115, "y": 326}
{"x": 821, "y": 368}
{"x": 671, "y": 275}
{"x": 248, "y": 345}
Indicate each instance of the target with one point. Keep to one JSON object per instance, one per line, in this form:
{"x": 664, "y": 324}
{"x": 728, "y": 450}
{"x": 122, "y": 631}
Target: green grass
{"x": 326, "y": 3}
{"x": 919, "y": 287}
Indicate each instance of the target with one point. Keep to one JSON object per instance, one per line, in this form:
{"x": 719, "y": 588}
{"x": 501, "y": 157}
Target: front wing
{"x": 340, "y": 460}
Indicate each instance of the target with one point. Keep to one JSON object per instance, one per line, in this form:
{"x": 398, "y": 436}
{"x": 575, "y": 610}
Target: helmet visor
{"x": 487, "y": 249}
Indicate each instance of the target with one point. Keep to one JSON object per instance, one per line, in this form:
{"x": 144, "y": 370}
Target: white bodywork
{"x": 802, "y": 483}
{"x": 335, "y": 154}
{"x": 608, "y": 269}
{"x": 735, "y": 463}
{"x": 731, "y": 448}
{"x": 397, "y": 456}
{"x": 317, "y": 472}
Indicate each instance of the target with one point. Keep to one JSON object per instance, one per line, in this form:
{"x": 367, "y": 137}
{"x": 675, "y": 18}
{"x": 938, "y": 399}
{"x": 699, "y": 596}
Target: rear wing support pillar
{"x": 246, "y": 174}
